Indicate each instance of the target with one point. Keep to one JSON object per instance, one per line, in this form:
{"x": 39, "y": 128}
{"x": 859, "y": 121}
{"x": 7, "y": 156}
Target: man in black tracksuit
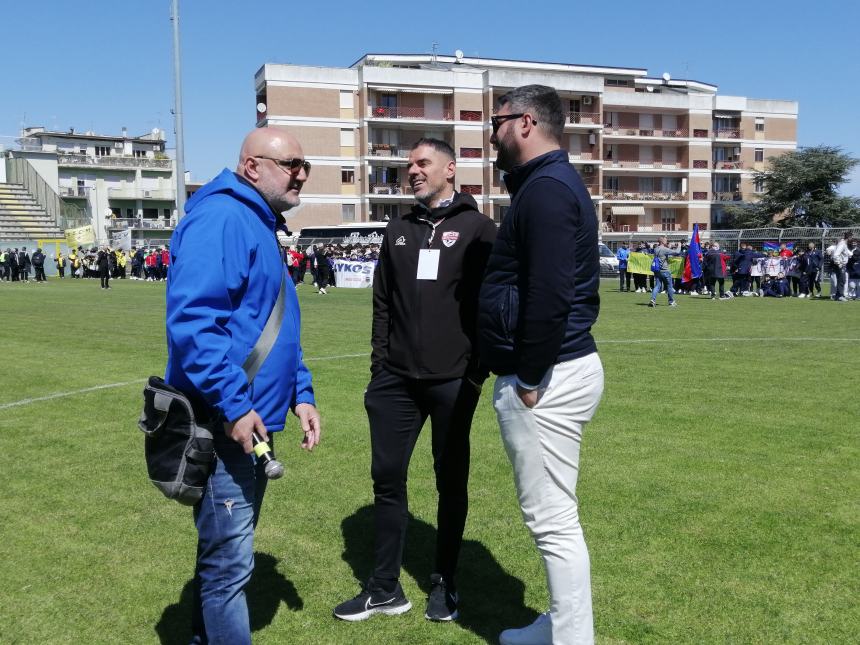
{"x": 424, "y": 363}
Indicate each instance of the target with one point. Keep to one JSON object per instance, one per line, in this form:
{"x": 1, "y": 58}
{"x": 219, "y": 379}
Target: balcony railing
{"x": 119, "y": 223}
{"x": 113, "y": 161}
{"x": 581, "y": 155}
{"x": 70, "y": 191}
{"x": 728, "y": 196}
{"x": 384, "y": 112}
{"x": 390, "y": 150}
{"x": 653, "y": 196}
{"x": 395, "y": 188}
{"x": 729, "y": 133}
{"x": 131, "y": 193}
{"x": 588, "y": 118}
{"x": 728, "y": 165}
{"x": 646, "y": 132}
{"x": 633, "y": 163}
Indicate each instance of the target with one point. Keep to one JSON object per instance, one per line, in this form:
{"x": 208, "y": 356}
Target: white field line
{"x": 628, "y": 341}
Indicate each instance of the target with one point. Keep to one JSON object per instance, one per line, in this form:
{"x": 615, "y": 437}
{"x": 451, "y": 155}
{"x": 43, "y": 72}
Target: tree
{"x": 800, "y": 190}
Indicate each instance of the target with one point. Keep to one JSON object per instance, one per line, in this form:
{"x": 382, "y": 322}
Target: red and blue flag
{"x": 693, "y": 263}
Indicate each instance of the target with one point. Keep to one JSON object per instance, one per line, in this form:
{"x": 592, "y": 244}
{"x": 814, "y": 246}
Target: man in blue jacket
{"x": 536, "y": 307}
{"x": 214, "y": 319}
{"x": 623, "y": 255}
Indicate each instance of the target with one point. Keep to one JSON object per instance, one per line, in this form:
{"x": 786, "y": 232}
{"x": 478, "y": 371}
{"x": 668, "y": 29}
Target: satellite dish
{"x": 649, "y": 88}
{"x": 261, "y": 107}
{"x": 667, "y": 77}
{"x": 155, "y": 132}
{"x": 459, "y": 55}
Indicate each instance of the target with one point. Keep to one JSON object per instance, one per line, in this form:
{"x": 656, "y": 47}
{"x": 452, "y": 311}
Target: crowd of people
{"x": 788, "y": 272}
{"x": 320, "y": 260}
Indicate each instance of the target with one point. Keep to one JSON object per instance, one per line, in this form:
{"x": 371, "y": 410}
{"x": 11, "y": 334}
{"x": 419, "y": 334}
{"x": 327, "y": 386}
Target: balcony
{"x": 114, "y": 161}
{"x": 728, "y": 196}
{"x": 70, "y": 192}
{"x": 584, "y": 118}
{"x": 132, "y": 193}
{"x": 120, "y": 224}
{"x": 650, "y": 196}
{"x": 642, "y": 165}
{"x": 674, "y": 133}
{"x": 728, "y": 165}
{"x": 395, "y": 188}
{"x": 384, "y": 112}
{"x": 729, "y": 133}
{"x": 581, "y": 156}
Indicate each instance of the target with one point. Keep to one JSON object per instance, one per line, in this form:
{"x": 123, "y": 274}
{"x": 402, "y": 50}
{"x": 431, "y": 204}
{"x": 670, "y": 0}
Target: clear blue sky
{"x": 104, "y": 64}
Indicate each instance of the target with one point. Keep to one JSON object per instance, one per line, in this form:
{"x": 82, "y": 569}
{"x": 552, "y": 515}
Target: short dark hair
{"x": 437, "y": 144}
{"x": 544, "y": 101}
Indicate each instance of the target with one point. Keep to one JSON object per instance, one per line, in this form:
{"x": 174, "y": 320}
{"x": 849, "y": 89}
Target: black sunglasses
{"x": 290, "y": 165}
{"x": 497, "y": 120}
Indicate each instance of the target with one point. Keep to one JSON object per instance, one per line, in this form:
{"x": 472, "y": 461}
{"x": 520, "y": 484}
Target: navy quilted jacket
{"x": 539, "y": 297}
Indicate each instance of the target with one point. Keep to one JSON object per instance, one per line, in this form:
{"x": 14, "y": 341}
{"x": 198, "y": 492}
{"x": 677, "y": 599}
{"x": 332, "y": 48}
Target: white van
{"x": 608, "y": 261}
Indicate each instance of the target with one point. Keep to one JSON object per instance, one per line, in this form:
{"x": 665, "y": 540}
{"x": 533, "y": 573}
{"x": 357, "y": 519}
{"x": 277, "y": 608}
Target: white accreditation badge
{"x": 428, "y": 264}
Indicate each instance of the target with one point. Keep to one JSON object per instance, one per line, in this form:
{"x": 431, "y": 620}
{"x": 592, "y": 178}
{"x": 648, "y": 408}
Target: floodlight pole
{"x": 177, "y": 117}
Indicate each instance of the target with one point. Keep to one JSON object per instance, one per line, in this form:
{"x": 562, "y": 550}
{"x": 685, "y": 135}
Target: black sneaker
{"x": 373, "y": 600}
{"x": 442, "y": 602}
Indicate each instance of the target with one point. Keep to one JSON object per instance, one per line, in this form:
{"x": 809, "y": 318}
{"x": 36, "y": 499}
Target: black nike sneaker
{"x": 373, "y": 600}
{"x": 442, "y": 602}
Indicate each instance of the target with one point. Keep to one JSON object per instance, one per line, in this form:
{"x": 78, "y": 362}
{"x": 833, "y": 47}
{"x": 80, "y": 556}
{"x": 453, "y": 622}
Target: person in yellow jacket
{"x": 74, "y": 263}
{"x": 60, "y": 261}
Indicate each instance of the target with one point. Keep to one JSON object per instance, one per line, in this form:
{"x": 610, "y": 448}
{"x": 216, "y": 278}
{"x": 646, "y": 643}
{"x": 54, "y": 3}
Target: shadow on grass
{"x": 267, "y": 589}
{"x": 491, "y": 599}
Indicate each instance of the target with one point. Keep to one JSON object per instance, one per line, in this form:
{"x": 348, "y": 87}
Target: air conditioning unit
{"x": 118, "y": 145}
{"x": 588, "y": 169}
{"x": 147, "y": 193}
{"x": 586, "y": 100}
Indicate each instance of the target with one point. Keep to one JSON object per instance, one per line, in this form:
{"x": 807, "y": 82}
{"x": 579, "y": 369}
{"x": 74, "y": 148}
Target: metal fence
{"x": 730, "y": 240}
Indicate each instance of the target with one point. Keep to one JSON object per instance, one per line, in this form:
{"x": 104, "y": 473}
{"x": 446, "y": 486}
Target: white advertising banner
{"x": 121, "y": 240}
{"x": 353, "y": 275}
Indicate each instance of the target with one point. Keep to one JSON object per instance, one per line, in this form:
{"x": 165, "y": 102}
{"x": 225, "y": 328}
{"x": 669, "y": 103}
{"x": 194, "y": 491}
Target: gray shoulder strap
{"x": 269, "y": 335}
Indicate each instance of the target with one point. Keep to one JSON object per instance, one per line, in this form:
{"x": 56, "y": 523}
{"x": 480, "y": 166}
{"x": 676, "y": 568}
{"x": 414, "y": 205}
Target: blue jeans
{"x": 225, "y": 518}
{"x": 663, "y": 282}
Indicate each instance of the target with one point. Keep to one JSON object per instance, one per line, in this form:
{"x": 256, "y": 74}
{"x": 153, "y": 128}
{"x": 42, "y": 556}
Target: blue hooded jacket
{"x": 225, "y": 276}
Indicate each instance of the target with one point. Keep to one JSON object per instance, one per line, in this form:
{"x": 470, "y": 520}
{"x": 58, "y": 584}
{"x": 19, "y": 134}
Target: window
{"x": 129, "y": 213}
{"x": 759, "y": 124}
{"x": 347, "y": 212}
{"x": 667, "y": 219}
{"x": 166, "y": 212}
{"x": 759, "y": 154}
{"x": 758, "y": 186}
{"x": 347, "y": 138}
{"x": 139, "y": 153}
{"x": 347, "y": 175}
{"x": 471, "y": 153}
{"x": 346, "y": 97}
{"x": 102, "y": 151}
{"x": 617, "y": 82}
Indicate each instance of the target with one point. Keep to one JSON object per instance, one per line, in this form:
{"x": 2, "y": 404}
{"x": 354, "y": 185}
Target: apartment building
{"x": 657, "y": 154}
{"x": 116, "y": 181}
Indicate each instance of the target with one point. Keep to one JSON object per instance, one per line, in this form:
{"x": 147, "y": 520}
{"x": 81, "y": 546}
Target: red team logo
{"x": 449, "y": 237}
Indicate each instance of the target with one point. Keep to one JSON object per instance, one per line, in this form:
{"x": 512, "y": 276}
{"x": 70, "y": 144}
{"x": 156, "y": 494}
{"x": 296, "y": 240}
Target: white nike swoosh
{"x": 370, "y": 605}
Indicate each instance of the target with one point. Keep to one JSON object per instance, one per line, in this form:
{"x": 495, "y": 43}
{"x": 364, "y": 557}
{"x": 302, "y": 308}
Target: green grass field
{"x": 719, "y": 486}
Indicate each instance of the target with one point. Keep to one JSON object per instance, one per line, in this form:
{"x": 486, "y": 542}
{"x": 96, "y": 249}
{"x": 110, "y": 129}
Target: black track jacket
{"x": 425, "y": 329}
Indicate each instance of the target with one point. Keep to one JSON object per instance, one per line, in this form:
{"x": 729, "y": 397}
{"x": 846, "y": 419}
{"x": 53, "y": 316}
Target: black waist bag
{"x": 179, "y": 444}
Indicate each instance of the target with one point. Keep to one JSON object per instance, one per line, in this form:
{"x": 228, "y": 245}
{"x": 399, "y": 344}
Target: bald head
{"x": 262, "y": 150}
{"x": 267, "y": 142}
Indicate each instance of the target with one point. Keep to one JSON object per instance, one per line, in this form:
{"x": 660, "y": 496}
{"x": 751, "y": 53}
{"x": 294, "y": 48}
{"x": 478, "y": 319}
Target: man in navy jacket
{"x": 214, "y": 319}
{"x": 536, "y": 307}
